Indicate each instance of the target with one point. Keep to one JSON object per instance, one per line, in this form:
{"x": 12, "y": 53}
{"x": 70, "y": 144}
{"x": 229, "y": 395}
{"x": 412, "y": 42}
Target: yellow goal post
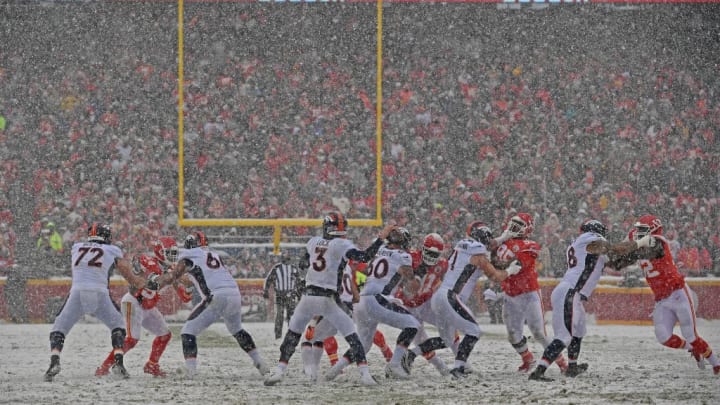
{"x": 276, "y": 223}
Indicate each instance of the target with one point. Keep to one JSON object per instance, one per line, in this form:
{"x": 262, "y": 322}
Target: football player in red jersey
{"x": 522, "y": 300}
{"x": 673, "y": 298}
{"x": 430, "y": 268}
{"x": 139, "y": 306}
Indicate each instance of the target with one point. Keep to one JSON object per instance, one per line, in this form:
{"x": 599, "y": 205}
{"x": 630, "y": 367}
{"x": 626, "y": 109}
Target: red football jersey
{"x": 662, "y": 274}
{"x": 430, "y": 281}
{"x": 526, "y": 252}
{"x": 148, "y": 298}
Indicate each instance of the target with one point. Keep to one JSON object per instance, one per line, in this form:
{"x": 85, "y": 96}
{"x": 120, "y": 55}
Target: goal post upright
{"x": 277, "y": 223}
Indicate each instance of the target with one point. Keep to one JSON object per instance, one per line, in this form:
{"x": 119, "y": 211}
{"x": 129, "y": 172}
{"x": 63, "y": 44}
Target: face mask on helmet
{"x": 480, "y": 232}
{"x": 433, "y": 246}
{"x": 166, "y": 250}
{"x": 334, "y": 225}
{"x": 401, "y": 237}
{"x": 195, "y": 239}
{"x": 647, "y": 225}
{"x": 520, "y": 225}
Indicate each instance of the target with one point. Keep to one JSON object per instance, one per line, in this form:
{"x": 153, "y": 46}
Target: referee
{"x": 286, "y": 279}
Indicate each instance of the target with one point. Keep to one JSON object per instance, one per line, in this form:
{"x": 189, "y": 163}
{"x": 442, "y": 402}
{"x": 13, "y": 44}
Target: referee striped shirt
{"x": 283, "y": 278}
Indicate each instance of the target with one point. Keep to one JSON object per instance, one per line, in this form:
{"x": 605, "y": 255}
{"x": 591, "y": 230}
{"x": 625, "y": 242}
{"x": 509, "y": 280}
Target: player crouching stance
{"x": 139, "y": 307}
{"x": 92, "y": 263}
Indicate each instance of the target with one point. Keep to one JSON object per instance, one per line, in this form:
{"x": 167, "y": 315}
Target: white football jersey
{"x": 92, "y": 263}
{"x": 458, "y": 278}
{"x": 347, "y": 280}
{"x": 383, "y": 276}
{"x": 327, "y": 261}
{"x": 213, "y": 272}
{"x": 584, "y": 269}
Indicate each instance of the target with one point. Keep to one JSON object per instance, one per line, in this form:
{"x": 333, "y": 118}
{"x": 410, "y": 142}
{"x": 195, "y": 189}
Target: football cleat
{"x": 54, "y": 368}
{"x": 700, "y": 360}
{"x": 407, "y": 360}
{"x": 153, "y": 369}
{"x": 367, "y": 379}
{"x": 459, "y": 372}
{"x": 275, "y": 377}
{"x": 333, "y": 372}
{"x": 396, "y": 371}
{"x": 262, "y": 368}
{"x": 102, "y": 371}
{"x": 539, "y": 375}
{"x": 575, "y": 369}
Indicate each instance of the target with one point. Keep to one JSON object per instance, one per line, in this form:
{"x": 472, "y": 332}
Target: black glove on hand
{"x": 152, "y": 283}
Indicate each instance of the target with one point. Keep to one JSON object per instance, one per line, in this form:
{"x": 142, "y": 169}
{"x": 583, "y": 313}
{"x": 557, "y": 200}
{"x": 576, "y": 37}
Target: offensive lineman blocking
{"x": 92, "y": 263}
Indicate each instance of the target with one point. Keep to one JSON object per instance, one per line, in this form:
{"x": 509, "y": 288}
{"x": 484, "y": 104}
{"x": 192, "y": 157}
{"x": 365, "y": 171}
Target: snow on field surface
{"x": 627, "y": 365}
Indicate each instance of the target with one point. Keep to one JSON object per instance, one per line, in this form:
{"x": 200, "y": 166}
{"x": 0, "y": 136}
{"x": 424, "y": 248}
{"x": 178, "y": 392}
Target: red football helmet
{"x": 433, "y": 246}
{"x": 647, "y": 225}
{"x": 521, "y": 225}
{"x": 166, "y": 249}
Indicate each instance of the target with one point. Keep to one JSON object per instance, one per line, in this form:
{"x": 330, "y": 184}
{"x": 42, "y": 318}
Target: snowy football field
{"x": 626, "y": 366}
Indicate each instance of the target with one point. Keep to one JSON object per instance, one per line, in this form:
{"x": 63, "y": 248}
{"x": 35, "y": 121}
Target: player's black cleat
{"x": 407, "y": 360}
{"x": 575, "y": 369}
{"x": 539, "y": 375}
{"x": 118, "y": 367}
{"x": 54, "y": 368}
{"x": 459, "y": 372}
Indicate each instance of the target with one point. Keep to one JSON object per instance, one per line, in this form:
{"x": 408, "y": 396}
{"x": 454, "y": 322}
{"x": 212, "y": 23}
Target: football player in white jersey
{"x": 585, "y": 259}
{"x": 391, "y": 268}
{"x": 468, "y": 261}
{"x": 220, "y": 299}
{"x": 327, "y": 256}
{"x": 92, "y": 264}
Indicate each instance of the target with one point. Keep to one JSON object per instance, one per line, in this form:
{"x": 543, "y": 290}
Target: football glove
{"x": 646, "y": 241}
{"x": 152, "y": 283}
{"x": 513, "y": 268}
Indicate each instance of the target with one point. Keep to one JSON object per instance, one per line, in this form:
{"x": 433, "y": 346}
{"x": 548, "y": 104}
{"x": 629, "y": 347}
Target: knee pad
{"x": 287, "y": 347}
{"x": 117, "y": 337}
{"x": 406, "y": 336}
{"x": 520, "y": 346}
{"x": 57, "y": 341}
{"x": 245, "y": 340}
{"x": 189, "y": 345}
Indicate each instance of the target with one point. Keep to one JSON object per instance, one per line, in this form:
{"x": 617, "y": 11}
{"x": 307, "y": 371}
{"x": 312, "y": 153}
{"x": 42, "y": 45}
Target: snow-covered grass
{"x": 627, "y": 365}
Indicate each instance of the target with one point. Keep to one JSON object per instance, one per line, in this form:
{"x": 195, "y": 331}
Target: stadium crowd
{"x": 486, "y": 112}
